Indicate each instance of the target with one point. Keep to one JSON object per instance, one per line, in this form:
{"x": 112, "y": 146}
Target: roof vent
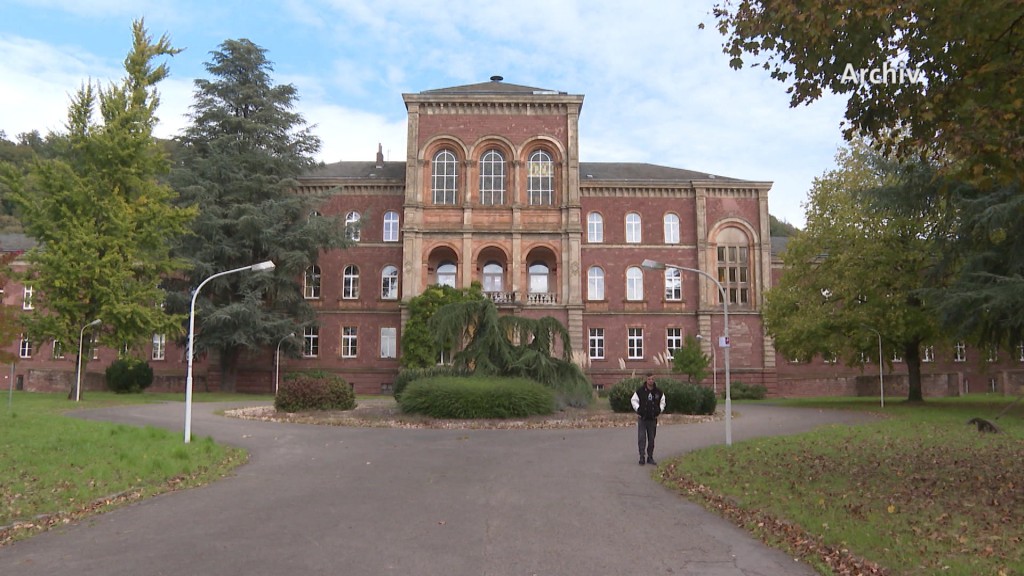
{"x": 496, "y": 78}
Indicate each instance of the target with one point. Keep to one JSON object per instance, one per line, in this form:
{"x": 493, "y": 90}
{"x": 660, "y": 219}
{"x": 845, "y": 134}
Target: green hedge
{"x": 314, "y": 390}
{"x": 476, "y": 397}
{"x": 740, "y": 391}
{"x": 680, "y": 397}
{"x": 129, "y": 376}
{"x": 408, "y": 375}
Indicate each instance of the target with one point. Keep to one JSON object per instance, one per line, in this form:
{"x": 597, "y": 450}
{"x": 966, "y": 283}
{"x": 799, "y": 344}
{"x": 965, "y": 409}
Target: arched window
{"x": 390, "y": 226}
{"x": 673, "y": 284}
{"x": 352, "y": 226}
{"x": 595, "y": 283}
{"x": 444, "y": 176}
{"x": 539, "y": 273}
{"x": 633, "y": 235}
{"x": 446, "y": 273}
{"x": 350, "y": 282}
{"x": 734, "y": 265}
{"x": 634, "y": 284}
{"x": 492, "y": 178}
{"x": 671, "y": 229}
{"x": 389, "y": 283}
{"x": 494, "y": 275}
{"x": 595, "y": 228}
{"x": 540, "y": 180}
{"x": 311, "y": 283}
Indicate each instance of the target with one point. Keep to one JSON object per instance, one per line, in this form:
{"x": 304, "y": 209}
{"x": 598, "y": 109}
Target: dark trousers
{"x": 646, "y": 430}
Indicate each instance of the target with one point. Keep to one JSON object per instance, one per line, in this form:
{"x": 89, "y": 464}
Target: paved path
{"x": 352, "y": 501}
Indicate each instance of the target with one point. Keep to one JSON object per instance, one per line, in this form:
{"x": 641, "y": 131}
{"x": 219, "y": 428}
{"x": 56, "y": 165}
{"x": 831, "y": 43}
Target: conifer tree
{"x": 238, "y": 163}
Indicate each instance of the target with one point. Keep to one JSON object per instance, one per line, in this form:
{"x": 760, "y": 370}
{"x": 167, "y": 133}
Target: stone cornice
{"x": 354, "y": 189}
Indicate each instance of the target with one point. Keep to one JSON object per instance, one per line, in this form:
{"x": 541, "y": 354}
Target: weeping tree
{"x": 504, "y": 345}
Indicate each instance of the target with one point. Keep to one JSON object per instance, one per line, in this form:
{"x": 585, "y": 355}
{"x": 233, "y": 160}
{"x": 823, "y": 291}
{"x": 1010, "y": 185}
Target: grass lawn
{"x": 55, "y": 469}
{"x": 918, "y": 493}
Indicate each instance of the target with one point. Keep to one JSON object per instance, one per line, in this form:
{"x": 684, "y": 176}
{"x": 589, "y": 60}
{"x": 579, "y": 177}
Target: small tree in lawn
{"x": 690, "y": 360}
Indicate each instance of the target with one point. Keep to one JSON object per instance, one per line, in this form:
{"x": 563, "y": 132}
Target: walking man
{"x": 648, "y": 402}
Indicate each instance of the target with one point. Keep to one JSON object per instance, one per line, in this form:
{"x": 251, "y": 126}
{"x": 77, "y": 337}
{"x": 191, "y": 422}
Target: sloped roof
{"x": 16, "y": 242}
{"x": 495, "y": 86}
{"x": 643, "y": 172}
{"x": 359, "y": 170}
{"x": 779, "y": 244}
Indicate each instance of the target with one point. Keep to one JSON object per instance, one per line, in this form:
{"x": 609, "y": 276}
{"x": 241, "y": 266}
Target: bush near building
{"x": 680, "y": 397}
{"x": 477, "y": 397}
{"x": 128, "y": 376}
{"x": 314, "y": 390}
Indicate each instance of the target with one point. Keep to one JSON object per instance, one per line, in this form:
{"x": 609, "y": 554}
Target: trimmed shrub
{"x": 314, "y": 390}
{"x": 477, "y": 397}
{"x": 680, "y": 397}
{"x": 740, "y": 391}
{"x": 128, "y": 376}
{"x": 407, "y": 375}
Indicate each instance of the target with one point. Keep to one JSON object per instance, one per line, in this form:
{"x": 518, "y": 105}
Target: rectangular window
{"x": 960, "y": 352}
{"x": 26, "y": 301}
{"x": 58, "y": 350}
{"x": 388, "y": 342}
{"x": 159, "y": 346}
{"x": 993, "y": 354}
{"x": 635, "y": 343}
{"x": 94, "y": 346}
{"x": 595, "y": 228}
{"x": 311, "y": 342}
{"x": 25, "y": 349}
{"x": 673, "y": 340}
{"x": 929, "y": 354}
{"x": 733, "y": 273}
{"x": 896, "y": 358}
{"x": 391, "y": 226}
{"x": 349, "y": 342}
{"x": 1020, "y": 352}
{"x": 596, "y": 343}
{"x": 673, "y": 285}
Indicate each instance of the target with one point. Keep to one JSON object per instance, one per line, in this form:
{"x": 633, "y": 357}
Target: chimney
{"x": 380, "y": 156}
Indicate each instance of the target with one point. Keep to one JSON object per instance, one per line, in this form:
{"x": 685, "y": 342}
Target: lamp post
{"x": 723, "y": 342}
{"x": 268, "y": 265}
{"x": 714, "y": 365}
{"x": 277, "y": 360}
{"x": 881, "y": 382}
{"x": 78, "y": 372}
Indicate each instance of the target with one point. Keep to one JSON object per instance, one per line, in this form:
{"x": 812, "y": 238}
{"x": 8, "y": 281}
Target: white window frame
{"x": 389, "y": 283}
{"x": 540, "y": 179}
{"x": 960, "y": 352}
{"x": 928, "y": 354}
{"x": 673, "y": 340}
{"x": 671, "y": 228}
{"x": 311, "y": 283}
{"x": 595, "y": 228}
{"x": 595, "y": 344}
{"x": 311, "y": 342}
{"x": 673, "y": 285}
{"x": 492, "y": 178}
{"x": 350, "y": 282}
{"x": 595, "y": 283}
{"x": 391, "y": 226}
{"x": 58, "y": 350}
{"x": 447, "y": 274}
{"x": 349, "y": 341}
{"x": 634, "y": 228}
{"x": 388, "y": 342}
{"x": 159, "y": 347}
{"x": 352, "y": 231}
{"x": 26, "y": 300}
{"x": 635, "y": 343}
{"x": 24, "y": 347}
{"x": 444, "y": 174}
{"x": 634, "y": 284}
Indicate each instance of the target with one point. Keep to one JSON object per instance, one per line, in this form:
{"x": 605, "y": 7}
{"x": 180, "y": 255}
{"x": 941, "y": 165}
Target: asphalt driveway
{"x": 369, "y": 501}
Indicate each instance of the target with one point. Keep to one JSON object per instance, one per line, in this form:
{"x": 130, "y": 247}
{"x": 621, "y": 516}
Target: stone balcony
{"x": 532, "y": 298}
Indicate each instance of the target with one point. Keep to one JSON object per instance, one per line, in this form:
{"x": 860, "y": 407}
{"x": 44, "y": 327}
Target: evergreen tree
{"x": 238, "y": 163}
{"x": 420, "y": 348}
{"x": 103, "y": 221}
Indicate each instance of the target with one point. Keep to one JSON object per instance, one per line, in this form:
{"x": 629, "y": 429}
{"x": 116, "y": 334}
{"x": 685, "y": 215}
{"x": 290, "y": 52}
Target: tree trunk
{"x": 229, "y": 369}
{"x": 912, "y": 353}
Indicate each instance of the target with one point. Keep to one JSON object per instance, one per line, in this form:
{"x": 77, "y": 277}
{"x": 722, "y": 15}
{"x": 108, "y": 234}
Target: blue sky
{"x": 657, "y": 88}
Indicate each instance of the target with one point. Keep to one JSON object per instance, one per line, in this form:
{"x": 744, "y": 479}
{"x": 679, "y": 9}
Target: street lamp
{"x": 724, "y": 341}
{"x": 881, "y": 382}
{"x": 714, "y": 364}
{"x": 268, "y": 265}
{"x": 277, "y": 360}
{"x": 78, "y": 372}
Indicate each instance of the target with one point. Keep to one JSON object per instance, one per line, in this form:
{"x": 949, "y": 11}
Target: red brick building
{"x": 492, "y": 190}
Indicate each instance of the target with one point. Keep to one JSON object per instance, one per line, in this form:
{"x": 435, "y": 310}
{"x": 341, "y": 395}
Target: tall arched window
{"x": 540, "y": 180}
{"x": 311, "y": 283}
{"x": 390, "y": 226}
{"x": 352, "y": 226}
{"x": 595, "y": 283}
{"x": 595, "y": 228}
{"x": 634, "y": 284}
{"x": 492, "y": 178}
{"x": 350, "y": 282}
{"x": 633, "y": 234}
{"x": 444, "y": 177}
{"x": 494, "y": 275}
{"x": 734, "y": 265}
{"x": 389, "y": 283}
{"x": 539, "y": 273}
{"x": 671, "y": 229}
{"x": 446, "y": 273}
